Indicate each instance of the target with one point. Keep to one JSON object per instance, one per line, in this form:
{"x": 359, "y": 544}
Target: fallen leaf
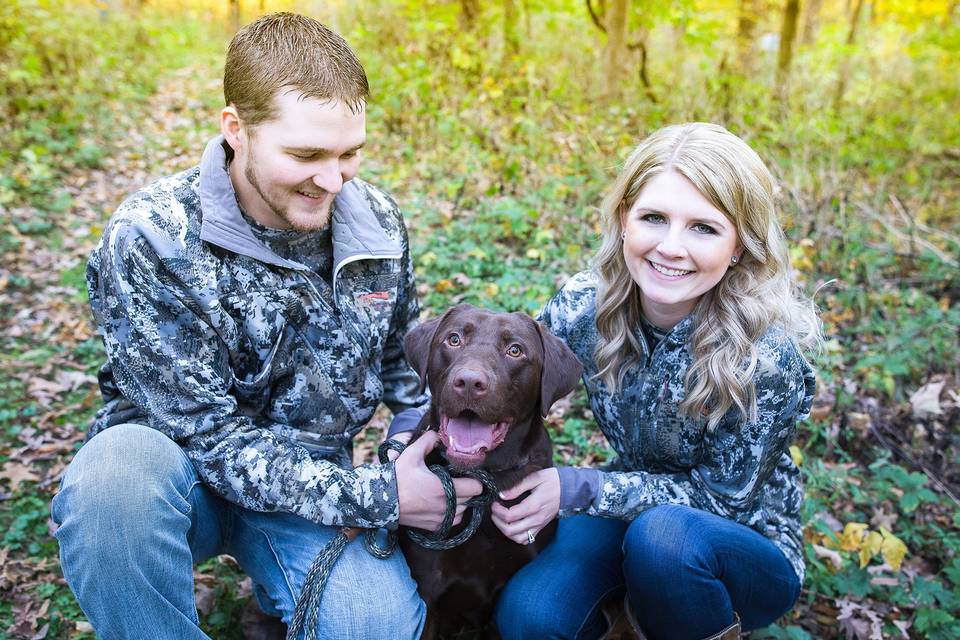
{"x": 870, "y": 547}
{"x": 796, "y": 455}
{"x": 205, "y": 597}
{"x": 15, "y": 473}
{"x": 852, "y": 536}
{"x": 925, "y": 401}
{"x": 829, "y": 554}
{"x": 893, "y": 549}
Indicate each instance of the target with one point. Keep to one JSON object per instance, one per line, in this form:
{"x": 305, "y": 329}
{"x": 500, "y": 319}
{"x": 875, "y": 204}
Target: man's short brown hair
{"x": 289, "y": 50}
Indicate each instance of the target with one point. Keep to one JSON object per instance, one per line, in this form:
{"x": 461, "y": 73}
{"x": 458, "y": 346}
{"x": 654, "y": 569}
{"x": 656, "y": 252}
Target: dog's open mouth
{"x": 468, "y": 439}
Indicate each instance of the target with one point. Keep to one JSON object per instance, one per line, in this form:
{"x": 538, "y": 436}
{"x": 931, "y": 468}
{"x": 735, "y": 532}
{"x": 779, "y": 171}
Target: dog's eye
{"x": 514, "y": 351}
{"x": 453, "y": 340}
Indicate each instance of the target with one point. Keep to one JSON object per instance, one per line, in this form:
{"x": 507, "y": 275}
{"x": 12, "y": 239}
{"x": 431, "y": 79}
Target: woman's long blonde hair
{"x": 752, "y": 296}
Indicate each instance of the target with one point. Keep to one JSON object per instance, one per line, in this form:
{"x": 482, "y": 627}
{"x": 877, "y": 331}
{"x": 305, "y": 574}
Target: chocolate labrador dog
{"x": 493, "y": 377}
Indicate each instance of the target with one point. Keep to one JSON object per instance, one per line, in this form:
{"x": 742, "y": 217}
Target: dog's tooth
{"x": 453, "y": 442}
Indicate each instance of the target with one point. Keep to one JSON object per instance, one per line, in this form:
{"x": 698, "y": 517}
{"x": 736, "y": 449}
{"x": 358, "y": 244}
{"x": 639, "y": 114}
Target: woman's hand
{"x": 526, "y": 519}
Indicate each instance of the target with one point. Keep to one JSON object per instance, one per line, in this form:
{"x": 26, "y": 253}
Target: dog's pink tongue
{"x": 470, "y": 434}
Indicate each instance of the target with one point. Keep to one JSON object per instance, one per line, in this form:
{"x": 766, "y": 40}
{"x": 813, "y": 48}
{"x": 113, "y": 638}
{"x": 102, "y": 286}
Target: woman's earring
{"x": 623, "y": 236}
{"x": 734, "y": 260}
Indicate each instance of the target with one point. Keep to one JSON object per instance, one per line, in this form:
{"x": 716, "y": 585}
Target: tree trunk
{"x": 844, "y": 72}
{"x": 511, "y": 40}
{"x": 787, "y": 35}
{"x": 469, "y": 13}
{"x": 615, "y": 53}
{"x": 746, "y": 22}
{"x": 233, "y": 18}
{"x": 810, "y": 18}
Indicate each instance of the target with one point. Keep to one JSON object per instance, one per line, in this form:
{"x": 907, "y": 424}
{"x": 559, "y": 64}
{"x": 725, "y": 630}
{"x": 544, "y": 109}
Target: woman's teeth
{"x": 667, "y": 271}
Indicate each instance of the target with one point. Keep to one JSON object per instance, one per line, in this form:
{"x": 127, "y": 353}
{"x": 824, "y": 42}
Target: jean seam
{"x": 276, "y": 557}
{"x": 594, "y": 607}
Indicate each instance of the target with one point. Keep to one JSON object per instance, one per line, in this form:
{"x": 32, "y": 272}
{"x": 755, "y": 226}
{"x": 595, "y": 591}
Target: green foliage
{"x": 63, "y": 67}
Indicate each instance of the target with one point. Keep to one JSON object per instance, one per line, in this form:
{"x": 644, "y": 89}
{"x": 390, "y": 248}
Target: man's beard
{"x": 277, "y": 210}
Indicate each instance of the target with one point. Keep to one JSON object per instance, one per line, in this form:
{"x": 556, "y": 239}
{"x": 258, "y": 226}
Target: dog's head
{"x": 488, "y": 372}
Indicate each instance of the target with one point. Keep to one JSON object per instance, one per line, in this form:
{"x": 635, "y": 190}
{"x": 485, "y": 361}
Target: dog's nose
{"x": 470, "y": 383}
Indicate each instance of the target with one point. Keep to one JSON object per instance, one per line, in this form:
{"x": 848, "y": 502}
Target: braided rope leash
{"x": 308, "y": 604}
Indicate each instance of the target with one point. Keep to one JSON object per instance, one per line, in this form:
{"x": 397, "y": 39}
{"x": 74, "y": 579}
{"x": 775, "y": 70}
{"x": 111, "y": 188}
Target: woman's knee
{"x": 520, "y": 615}
{"x": 663, "y": 541}
{"x": 528, "y": 609}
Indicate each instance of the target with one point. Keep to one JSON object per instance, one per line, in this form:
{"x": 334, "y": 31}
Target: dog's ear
{"x": 561, "y": 369}
{"x": 416, "y": 346}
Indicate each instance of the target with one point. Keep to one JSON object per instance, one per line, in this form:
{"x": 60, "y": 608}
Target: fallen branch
{"x": 910, "y": 238}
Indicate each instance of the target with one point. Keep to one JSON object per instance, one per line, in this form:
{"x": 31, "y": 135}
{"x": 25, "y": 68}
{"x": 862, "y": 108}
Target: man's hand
{"x": 403, "y": 438}
{"x": 422, "y": 501}
{"x": 536, "y": 510}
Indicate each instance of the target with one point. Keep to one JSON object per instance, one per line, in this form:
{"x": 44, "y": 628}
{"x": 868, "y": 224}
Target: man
{"x": 253, "y": 310}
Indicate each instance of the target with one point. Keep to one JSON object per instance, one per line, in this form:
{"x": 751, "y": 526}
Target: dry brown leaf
{"x": 15, "y": 473}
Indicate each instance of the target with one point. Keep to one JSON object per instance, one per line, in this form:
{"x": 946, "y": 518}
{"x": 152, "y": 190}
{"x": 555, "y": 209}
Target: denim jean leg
{"x": 365, "y": 598}
{"x": 688, "y": 571}
{"x": 560, "y": 594}
{"x": 129, "y": 507}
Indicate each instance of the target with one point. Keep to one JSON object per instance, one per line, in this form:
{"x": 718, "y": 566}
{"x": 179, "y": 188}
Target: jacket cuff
{"x": 406, "y": 420}
{"x": 379, "y": 483}
{"x": 578, "y": 488}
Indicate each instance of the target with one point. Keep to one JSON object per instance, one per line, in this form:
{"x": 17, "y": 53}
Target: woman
{"x": 688, "y": 327}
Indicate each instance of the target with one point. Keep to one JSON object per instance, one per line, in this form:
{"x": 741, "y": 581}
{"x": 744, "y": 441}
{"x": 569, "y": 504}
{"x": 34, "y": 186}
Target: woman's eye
{"x": 704, "y": 228}
{"x": 515, "y": 351}
{"x": 453, "y": 340}
{"x": 655, "y": 218}
{"x": 303, "y": 158}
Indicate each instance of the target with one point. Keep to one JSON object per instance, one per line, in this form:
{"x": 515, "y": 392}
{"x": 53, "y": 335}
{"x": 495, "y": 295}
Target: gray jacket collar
{"x": 357, "y": 234}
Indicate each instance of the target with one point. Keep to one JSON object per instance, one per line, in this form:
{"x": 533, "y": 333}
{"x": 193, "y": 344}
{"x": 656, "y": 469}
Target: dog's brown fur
{"x": 480, "y": 372}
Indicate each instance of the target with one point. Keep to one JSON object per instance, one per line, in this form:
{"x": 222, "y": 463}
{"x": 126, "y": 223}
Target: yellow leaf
{"x": 443, "y": 286}
{"x": 852, "y": 536}
{"x": 797, "y": 455}
{"x": 893, "y": 549}
{"x": 871, "y": 546}
{"x": 492, "y": 289}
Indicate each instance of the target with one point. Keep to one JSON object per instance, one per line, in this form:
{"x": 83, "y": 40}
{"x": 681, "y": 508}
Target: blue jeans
{"x": 134, "y": 518}
{"x": 685, "y": 572}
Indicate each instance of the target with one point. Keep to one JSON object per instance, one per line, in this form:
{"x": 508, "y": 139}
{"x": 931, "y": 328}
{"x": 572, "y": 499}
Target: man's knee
{"x": 366, "y": 599}
{"x": 119, "y": 478}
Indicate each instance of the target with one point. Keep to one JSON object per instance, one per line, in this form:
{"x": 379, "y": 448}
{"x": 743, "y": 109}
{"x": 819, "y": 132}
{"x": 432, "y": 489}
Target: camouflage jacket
{"x": 742, "y": 470}
{"x": 260, "y": 369}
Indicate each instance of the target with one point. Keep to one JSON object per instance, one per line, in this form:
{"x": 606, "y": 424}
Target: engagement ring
{"x": 531, "y": 536}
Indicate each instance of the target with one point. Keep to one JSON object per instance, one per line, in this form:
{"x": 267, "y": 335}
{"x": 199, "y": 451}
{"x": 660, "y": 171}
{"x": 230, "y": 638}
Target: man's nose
{"x": 328, "y": 177}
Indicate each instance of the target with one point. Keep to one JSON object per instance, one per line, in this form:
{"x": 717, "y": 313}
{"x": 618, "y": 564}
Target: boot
{"x": 730, "y": 633}
{"x": 620, "y": 622}
{"x": 623, "y": 625}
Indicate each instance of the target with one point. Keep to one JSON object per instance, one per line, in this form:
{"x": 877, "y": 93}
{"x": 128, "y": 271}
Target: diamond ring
{"x": 531, "y": 536}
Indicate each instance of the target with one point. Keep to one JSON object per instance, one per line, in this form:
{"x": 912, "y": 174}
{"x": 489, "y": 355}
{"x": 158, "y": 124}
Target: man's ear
{"x": 416, "y": 346}
{"x": 561, "y": 369}
{"x": 231, "y": 126}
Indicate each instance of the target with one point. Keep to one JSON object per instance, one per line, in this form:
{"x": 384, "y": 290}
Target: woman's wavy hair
{"x": 753, "y": 295}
